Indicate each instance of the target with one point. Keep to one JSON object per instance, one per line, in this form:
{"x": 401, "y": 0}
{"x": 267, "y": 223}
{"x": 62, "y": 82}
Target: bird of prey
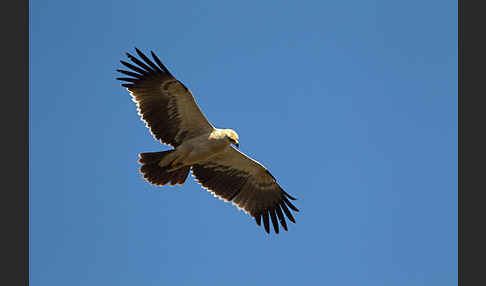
{"x": 173, "y": 117}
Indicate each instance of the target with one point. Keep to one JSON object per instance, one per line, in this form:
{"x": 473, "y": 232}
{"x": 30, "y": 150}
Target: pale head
{"x": 232, "y": 137}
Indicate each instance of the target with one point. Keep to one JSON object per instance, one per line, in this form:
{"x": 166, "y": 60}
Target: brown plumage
{"x": 173, "y": 117}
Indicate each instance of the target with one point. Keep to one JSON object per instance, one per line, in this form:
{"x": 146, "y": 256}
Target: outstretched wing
{"x": 233, "y": 176}
{"x": 164, "y": 103}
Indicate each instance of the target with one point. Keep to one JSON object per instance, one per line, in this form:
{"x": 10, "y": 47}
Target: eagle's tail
{"x": 158, "y": 175}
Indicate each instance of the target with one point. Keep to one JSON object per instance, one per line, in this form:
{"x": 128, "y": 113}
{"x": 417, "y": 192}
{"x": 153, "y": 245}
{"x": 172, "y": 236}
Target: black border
{"x": 14, "y": 211}
{"x": 472, "y": 144}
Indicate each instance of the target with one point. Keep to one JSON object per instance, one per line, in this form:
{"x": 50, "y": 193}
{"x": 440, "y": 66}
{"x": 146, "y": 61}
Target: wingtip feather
{"x": 287, "y": 212}
{"x": 290, "y": 204}
{"x": 273, "y": 216}
{"x": 289, "y": 196}
{"x": 266, "y": 222}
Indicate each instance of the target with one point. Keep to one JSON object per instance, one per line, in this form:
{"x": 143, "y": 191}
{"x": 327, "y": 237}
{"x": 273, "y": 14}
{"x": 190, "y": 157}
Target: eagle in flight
{"x": 173, "y": 117}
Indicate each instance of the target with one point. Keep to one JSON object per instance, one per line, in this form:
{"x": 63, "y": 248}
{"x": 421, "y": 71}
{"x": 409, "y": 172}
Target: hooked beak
{"x": 237, "y": 145}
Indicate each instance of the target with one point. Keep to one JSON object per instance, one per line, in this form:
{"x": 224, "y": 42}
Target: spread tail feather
{"x": 158, "y": 175}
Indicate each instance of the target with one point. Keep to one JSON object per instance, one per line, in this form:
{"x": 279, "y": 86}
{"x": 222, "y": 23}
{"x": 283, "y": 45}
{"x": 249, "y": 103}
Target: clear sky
{"x": 352, "y": 105}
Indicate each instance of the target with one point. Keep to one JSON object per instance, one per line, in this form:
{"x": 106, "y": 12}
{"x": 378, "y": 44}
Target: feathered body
{"x": 173, "y": 117}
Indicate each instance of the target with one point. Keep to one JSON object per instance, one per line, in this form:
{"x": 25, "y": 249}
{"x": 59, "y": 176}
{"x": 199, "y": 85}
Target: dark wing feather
{"x": 165, "y": 104}
{"x": 233, "y": 176}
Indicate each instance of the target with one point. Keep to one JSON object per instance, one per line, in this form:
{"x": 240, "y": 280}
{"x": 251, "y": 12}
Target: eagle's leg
{"x": 168, "y": 159}
{"x": 174, "y": 166}
{"x": 174, "y": 161}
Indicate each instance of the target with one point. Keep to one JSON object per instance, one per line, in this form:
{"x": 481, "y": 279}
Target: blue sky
{"x": 352, "y": 105}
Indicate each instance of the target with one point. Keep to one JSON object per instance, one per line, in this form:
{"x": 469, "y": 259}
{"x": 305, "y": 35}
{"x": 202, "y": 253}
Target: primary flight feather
{"x": 173, "y": 117}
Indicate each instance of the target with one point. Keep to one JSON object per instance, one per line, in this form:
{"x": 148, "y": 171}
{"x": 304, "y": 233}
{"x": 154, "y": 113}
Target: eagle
{"x": 170, "y": 112}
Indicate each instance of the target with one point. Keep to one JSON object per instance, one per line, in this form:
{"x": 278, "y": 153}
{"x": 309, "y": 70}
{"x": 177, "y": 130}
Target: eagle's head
{"x": 232, "y": 137}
